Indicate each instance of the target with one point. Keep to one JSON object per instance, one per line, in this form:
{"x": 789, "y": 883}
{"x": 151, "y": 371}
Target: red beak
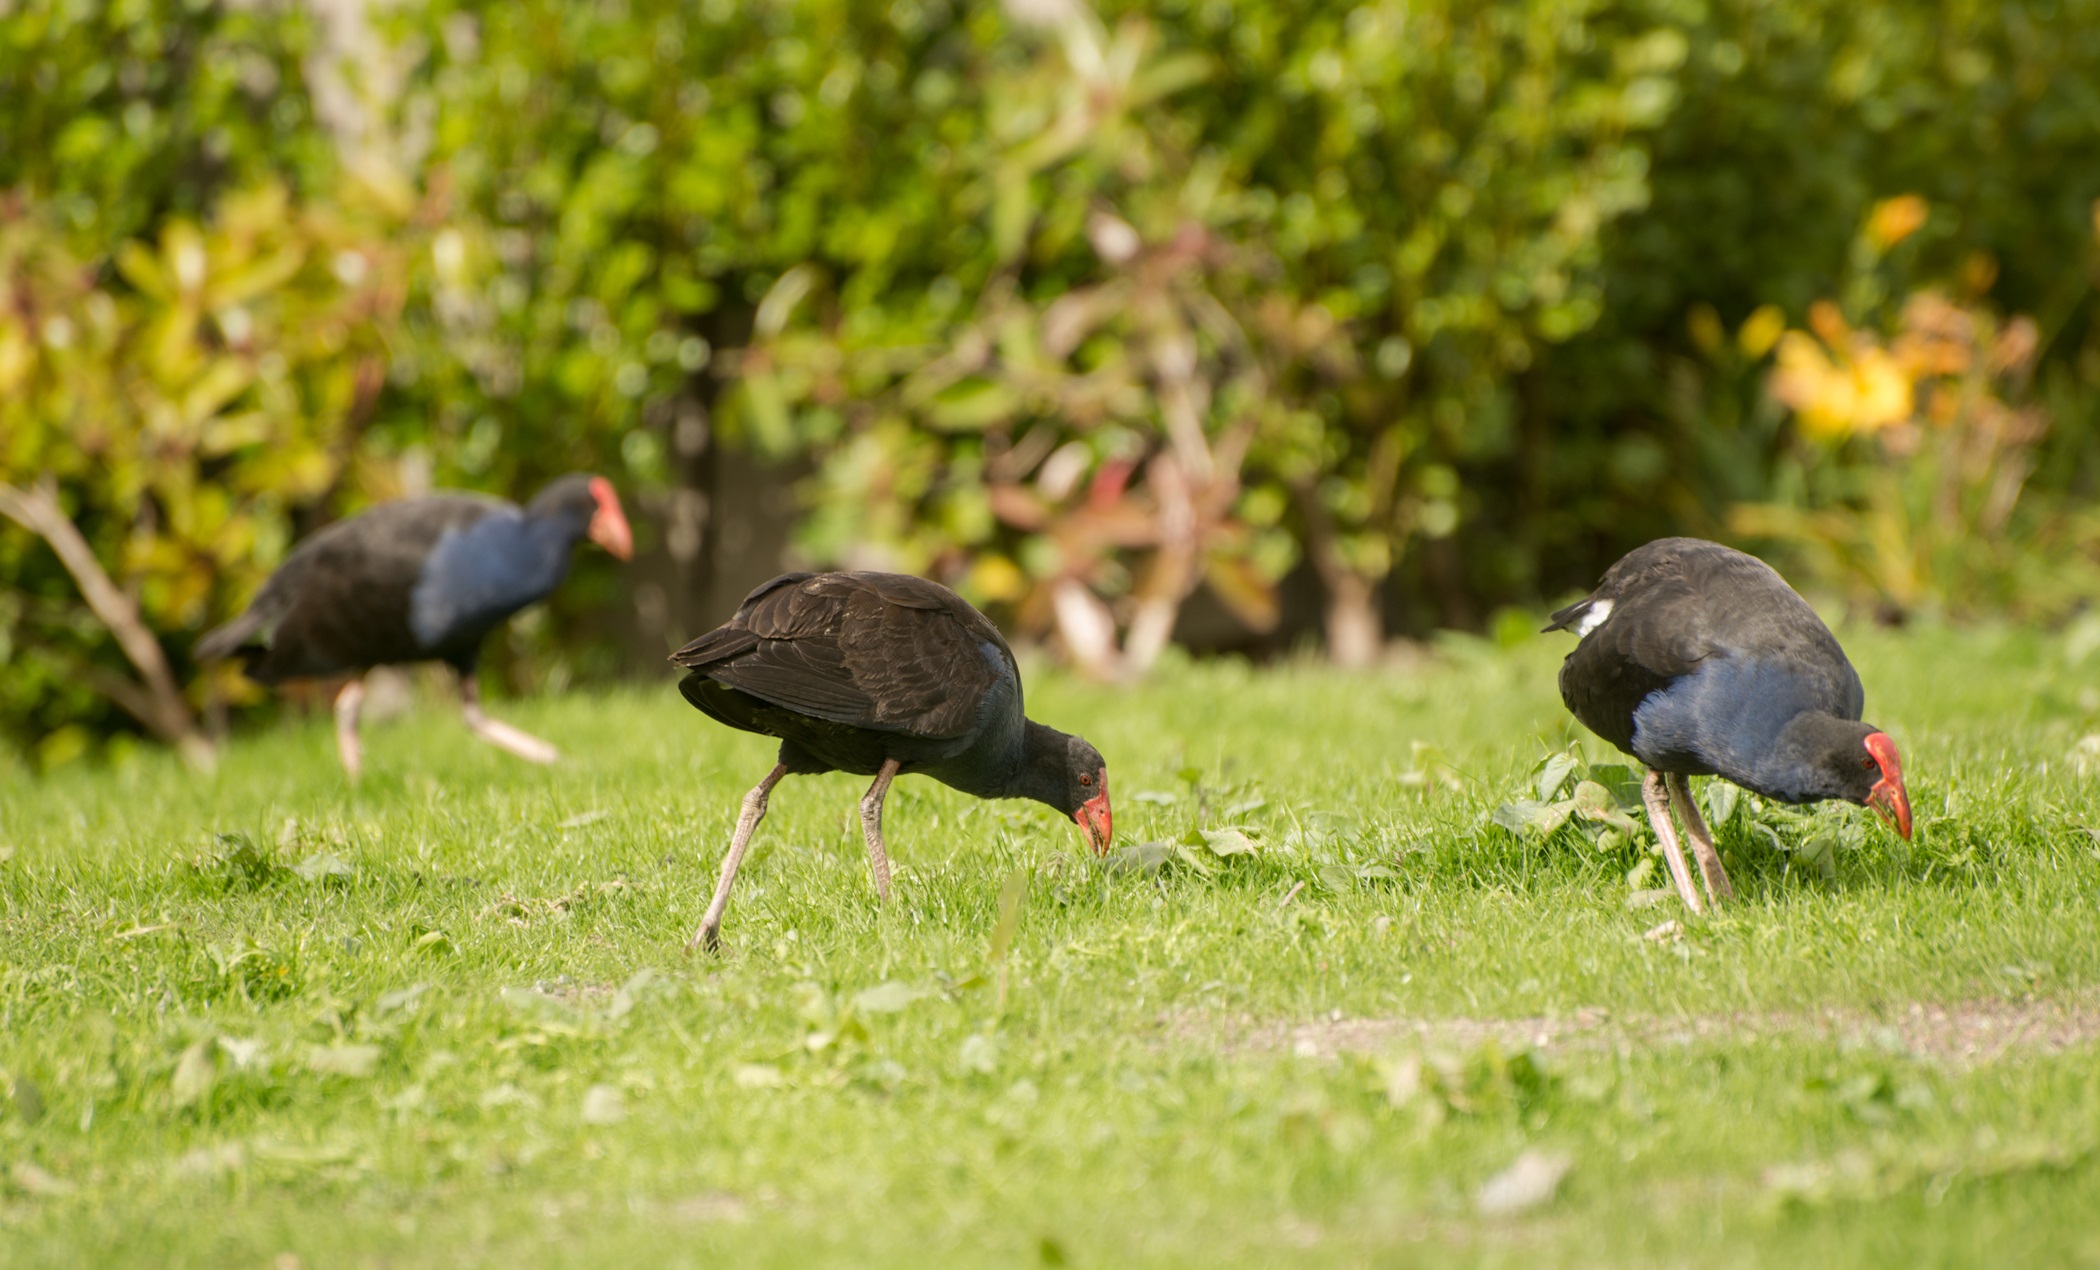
{"x": 609, "y": 524}
{"x": 1888, "y": 795}
{"x": 1094, "y": 819}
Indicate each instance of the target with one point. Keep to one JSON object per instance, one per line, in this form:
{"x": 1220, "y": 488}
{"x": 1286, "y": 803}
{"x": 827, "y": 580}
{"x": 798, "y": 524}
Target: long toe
{"x": 523, "y": 744}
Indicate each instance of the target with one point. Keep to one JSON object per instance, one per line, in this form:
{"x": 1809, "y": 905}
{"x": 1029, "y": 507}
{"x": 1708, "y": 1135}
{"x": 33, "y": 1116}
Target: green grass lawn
{"x": 444, "y": 1018}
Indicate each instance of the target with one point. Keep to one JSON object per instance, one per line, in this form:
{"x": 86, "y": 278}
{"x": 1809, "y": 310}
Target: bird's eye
{"x": 1869, "y": 761}
{"x": 1086, "y": 780}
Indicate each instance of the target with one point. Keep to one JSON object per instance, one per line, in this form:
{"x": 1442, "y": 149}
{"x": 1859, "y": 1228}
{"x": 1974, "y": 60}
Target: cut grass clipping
{"x": 1379, "y": 963}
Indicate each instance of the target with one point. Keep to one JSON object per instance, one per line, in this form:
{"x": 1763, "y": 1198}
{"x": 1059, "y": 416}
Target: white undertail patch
{"x": 1593, "y": 616}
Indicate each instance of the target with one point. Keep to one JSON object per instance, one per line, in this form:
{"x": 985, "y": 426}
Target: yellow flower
{"x": 1881, "y": 392}
{"x": 1896, "y": 219}
{"x": 1761, "y": 330}
{"x": 1828, "y": 322}
{"x": 1834, "y": 399}
{"x": 1805, "y": 380}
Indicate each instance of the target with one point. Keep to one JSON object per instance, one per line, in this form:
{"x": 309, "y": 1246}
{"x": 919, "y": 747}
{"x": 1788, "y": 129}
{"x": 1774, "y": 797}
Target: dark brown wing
{"x": 342, "y": 599}
{"x": 733, "y": 638}
{"x": 881, "y": 651}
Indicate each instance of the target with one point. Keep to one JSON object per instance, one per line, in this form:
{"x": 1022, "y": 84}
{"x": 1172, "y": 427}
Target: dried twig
{"x": 162, "y": 708}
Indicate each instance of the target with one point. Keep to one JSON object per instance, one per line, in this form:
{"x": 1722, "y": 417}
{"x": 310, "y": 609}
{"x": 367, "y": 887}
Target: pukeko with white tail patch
{"x": 1701, "y": 661}
{"x": 421, "y": 579}
{"x": 880, "y": 674}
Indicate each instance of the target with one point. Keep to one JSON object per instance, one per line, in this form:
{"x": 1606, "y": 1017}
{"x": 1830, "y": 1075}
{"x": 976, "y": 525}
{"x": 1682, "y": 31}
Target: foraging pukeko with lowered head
{"x": 421, "y": 579}
{"x": 880, "y": 674}
{"x": 1701, "y": 661}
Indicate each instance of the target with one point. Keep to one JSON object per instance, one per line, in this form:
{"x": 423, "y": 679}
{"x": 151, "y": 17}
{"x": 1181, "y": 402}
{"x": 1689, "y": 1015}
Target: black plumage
{"x": 881, "y": 674}
{"x": 421, "y": 579}
{"x": 1700, "y": 660}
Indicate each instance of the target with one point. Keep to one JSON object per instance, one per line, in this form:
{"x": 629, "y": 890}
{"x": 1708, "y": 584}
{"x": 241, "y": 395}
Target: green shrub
{"x": 167, "y": 425}
{"x": 115, "y": 116}
{"x": 1076, "y": 310}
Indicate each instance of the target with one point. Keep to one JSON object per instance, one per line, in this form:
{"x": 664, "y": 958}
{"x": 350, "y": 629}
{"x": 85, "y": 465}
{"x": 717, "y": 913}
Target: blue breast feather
{"x": 1726, "y": 716}
{"x": 478, "y": 576}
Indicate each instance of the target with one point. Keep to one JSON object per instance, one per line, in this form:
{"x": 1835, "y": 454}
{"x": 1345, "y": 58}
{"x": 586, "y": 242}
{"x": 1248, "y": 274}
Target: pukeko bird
{"x": 877, "y": 674}
{"x": 1701, "y": 661}
{"x": 421, "y": 579}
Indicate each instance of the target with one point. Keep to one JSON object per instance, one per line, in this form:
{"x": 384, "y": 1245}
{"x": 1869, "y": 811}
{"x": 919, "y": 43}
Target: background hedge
{"x": 1368, "y": 318}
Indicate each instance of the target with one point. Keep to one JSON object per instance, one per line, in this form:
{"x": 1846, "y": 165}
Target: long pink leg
{"x": 871, "y": 827}
{"x": 502, "y": 735}
{"x": 349, "y": 699}
{"x": 1657, "y": 799}
{"x": 1703, "y": 848}
{"x": 709, "y": 934}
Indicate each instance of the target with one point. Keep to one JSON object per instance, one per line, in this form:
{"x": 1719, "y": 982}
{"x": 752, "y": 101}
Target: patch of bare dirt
{"x": 1965, "y": 1033}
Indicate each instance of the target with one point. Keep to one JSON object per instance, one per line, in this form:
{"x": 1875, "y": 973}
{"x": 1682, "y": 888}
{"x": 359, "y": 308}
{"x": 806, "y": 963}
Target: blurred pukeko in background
{"x": 877, "y": 674}
{"x": 1701, "y": 661}
{"x": 422, "y": 579}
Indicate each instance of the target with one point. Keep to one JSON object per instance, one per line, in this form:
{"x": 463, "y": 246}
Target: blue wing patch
{"x": 476, "y": 577}
{"x": 1727, "y": 714}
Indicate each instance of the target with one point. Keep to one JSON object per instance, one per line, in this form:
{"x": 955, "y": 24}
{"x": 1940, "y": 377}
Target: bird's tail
{"x": 724, "y": 643}
{"x": 226, "y": 640}
{"x": 1581, "y": 617}
{"x": 1561, "y": 619}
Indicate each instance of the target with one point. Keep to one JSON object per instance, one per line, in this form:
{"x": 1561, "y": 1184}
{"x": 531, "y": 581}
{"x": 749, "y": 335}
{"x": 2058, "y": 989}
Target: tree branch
{"x": 126, "y": 695}
{"x": 1355, "y": 631}
{"x": 37, "y": 510}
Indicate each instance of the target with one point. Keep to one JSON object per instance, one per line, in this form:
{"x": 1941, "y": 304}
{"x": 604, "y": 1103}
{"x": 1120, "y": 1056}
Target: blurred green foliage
{"x": 1079, "y": 309}
{"x": 1508, "y": 213}
{"x": 183, "y": 402}
{"x": 1429, "y": 181}
{"x": 1918, "y": 432}
{"x": 1792, "y": 121}
{"x": 120, "y": 113}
